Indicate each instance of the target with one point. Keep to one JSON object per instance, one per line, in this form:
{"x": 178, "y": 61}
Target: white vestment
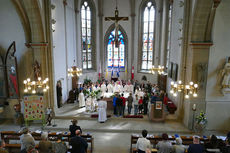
{"x": 139, "y": 93}
{"x": 88, "y": 104}
{"x": 126, "y": 88}
{"x": 120, "y": 88}
{"x": 110, "y": 88}
{"x": 116, "y": 88}
{"x": 102, "y": 106}
{"x": 81, "y": 99}
{"x": 103, "y": 88}
{"x": 130, "y": 88}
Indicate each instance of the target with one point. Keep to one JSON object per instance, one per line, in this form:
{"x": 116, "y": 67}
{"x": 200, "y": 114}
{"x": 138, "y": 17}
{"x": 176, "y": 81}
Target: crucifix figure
{"x": 116, "y": 19}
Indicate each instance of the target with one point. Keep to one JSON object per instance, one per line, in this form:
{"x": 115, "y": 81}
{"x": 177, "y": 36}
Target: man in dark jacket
{"x": 73, "y": 128}
{"x": 119, "y": 105}
{"x": 196, "y": 147}
{"x": 130, "y": 103}
{"x": 79, "y": 144}
{"x": 145, "y": 103}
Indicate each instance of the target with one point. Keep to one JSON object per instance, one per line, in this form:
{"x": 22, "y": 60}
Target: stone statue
{"x": 37, "y": 70}
{"x": 201, "y": 74}
{"x": 225, "y": 74}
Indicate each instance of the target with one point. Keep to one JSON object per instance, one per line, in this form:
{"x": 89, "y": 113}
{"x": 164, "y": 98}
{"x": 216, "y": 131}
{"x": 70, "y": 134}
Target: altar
{"x": 109, "y": 103}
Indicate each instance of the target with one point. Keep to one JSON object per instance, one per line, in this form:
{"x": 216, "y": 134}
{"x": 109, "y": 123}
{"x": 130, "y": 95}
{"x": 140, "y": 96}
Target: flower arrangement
{"x": 201, "y": 118}
{"x": 95, "y": 94}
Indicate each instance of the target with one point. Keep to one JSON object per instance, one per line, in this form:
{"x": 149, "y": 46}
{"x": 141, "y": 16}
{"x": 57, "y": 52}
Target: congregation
{"x": 214, "y": 145}
{"x": 126, "y": 95}
{"x": 78, "y": 144}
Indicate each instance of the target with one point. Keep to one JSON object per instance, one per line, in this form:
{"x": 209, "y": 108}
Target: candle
{"x": 194, "y": 107}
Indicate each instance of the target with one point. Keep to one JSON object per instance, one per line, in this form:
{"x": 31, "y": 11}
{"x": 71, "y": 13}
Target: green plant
{"x": 87, "y": 81}
{"x": 201, "y": 118}
{"x": 86, "y": 92}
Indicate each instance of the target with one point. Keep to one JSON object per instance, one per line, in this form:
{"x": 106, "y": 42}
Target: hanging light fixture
{"x": 74, "y": 71}
{"x": 159, "y": 70}
{"x": 189, "y": 89}
{"x": 35, "y": 86}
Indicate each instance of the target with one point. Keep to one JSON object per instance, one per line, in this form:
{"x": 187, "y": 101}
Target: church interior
{"x": 116, "y": 67}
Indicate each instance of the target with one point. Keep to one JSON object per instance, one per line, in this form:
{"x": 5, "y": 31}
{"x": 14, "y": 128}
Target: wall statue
{"x": 201, "y": 74}
{"x": 37, "y": 70}
{"x": 225, "y": 74}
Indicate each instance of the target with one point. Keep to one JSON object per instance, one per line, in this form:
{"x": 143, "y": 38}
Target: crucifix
{"x": 116, "y": 18}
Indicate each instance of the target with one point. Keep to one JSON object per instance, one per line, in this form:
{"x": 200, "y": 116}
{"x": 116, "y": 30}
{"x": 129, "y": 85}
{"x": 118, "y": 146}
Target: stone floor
{"x": 113, "y": 136}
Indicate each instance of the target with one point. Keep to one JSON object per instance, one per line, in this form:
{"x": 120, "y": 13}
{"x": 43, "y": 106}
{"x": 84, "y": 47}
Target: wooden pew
{"x": 12, "y": 135}
{"x": 15, "y": 148}
{"x": 155, "y": 139}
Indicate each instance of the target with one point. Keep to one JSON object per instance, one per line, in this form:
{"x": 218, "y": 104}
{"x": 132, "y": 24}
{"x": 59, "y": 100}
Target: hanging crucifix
{"x": 116, "y": 19}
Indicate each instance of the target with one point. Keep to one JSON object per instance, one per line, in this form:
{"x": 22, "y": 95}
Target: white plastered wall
{"x": 217, "y": 105}
{"x": 11, "y": 29}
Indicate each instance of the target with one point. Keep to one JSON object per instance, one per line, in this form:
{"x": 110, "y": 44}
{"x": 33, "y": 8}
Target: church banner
{"x": 34, "y": 108}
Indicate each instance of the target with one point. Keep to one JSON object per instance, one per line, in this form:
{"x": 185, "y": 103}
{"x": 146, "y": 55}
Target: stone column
{"x": 196, "y": 71}
{"x": 66, "y": 48}
{"x": 48, "y": 53}
{"x": 101, "y": 39}
{"x": 164, "y": 34}
{"x": 133, "y": 15}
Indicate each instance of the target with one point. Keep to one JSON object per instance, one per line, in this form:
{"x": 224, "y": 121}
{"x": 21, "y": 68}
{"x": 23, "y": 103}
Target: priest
{"x": 103, "y": 88}
{"x": 110, "y": 88}
{"x": 102, "y": 106}
{"x": 81, "y": 99}
{"x": 130, "y": 87}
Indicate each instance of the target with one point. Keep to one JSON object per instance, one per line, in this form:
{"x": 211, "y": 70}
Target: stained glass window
{"x": 116, "y": 53}
{"x": 86, "y": 38}
{"x": 148, "y": 36}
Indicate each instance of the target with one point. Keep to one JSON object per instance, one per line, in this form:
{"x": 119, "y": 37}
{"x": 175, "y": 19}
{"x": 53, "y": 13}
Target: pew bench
{"x": 155, "y": 139}
{"x": 7, "y": 136}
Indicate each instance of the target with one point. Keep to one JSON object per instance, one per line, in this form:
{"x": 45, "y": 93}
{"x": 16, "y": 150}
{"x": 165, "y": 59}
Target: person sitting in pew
{"x": 2, "y": 145}
{"x": 45, "y": 146}
{"x": 164, "y": 146}
{"x": 226, "y": 149}
{"x": 59, "y": 146}
{"x": 178, "y": 147}
{"x": 79, "y": 144}
{"x": 213, "y": 145}
{"x": 26, "y": 139}
{"x": 142, "y": 143}
{"x": 196, "y": 147}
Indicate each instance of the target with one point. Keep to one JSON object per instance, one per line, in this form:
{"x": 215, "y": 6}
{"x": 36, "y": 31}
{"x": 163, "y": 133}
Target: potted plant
{"x": 201, "y": 122}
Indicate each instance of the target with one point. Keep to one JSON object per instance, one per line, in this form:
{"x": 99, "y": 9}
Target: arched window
{"x": 87, "y": 41}
{"x": 116, "y": 52}
{"x": 148, "y": 36}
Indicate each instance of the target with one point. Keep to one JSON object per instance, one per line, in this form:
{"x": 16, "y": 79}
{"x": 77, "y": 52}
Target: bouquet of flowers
{"x": 95, "y": 94}
{"x": 201, "y": 118}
